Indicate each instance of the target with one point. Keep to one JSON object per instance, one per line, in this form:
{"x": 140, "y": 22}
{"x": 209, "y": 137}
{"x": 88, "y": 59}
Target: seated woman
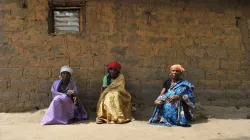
{"x": 176, "y": 102}
{"x": 65, "y": 106}
{"x": 114, "y": 105}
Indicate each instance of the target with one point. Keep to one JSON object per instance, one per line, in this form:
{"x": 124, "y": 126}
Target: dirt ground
{"x": 225, "y": 124}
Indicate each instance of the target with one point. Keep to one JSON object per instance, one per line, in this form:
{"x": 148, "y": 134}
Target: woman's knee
{"x": 59, "y": 99}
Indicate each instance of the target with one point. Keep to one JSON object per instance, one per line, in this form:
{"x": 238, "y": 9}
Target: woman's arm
{"x": 103, "y": 88}
{"x": 165, "y": 86}
{"x": 163, "y": 91}
{"x": 104, "y": 83}
{"x": 73, "y": 89}
{"x": 54, "y": 90}
{"x": 157, "y": 101}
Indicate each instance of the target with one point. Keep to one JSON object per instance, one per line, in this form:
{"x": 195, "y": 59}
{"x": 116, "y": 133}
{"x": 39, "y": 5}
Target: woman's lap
{"x": 167, "y": 114}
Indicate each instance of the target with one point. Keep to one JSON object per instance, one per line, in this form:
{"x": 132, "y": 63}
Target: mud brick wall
{"x": 146, "y": 37}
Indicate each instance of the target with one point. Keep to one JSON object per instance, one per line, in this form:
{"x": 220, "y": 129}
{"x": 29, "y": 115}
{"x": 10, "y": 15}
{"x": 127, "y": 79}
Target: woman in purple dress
{"x": 65, "y": 106}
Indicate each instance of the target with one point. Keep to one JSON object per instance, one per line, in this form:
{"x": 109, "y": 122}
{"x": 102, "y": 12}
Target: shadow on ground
{"x": 239, "y": 138}
{"x": 143, "y": 113}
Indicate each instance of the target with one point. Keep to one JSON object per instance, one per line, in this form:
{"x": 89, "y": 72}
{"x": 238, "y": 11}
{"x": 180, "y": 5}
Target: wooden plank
{"x": 66, "y": 13}
{"x": 66, "y": 29}
{"x": 58, "y": 19}
{"x": 50, "y": 21}
{"x": 65, "y": 3}
{"x": 67, "y": 24}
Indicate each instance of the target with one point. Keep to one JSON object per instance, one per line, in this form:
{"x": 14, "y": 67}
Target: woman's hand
{"x": 174, "y": 98}
{"x": 157, "y": 103}
{"x": 70, "y": 92}
{"x": 74, "y": 100}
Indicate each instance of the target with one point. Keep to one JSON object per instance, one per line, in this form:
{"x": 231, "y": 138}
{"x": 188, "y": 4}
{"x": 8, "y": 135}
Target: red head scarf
{"x": 178, "y": 67}
{"x": 114, "y": 65}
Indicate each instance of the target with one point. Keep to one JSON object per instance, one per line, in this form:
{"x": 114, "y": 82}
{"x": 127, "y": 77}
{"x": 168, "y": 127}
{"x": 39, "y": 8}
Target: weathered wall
{"x": 145, "y": 37}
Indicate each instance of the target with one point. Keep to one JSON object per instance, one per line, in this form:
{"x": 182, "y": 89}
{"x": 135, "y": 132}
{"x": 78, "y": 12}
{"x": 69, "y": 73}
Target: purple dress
{"x": 62, "y": 108}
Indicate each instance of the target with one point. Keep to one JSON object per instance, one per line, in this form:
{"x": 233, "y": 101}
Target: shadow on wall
{"x": 242, "y": 24}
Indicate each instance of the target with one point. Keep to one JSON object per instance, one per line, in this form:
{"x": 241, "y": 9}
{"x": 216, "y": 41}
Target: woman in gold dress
{"x": 114, "y": 105}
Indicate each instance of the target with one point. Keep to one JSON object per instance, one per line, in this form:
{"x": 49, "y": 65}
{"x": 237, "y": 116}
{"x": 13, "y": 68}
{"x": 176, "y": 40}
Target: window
{"x": 66, "y": 21}
{"x": 66, "y": 17}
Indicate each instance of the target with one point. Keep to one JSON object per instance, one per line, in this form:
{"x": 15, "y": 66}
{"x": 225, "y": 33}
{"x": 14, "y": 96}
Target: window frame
{"x": 82, "y": 16}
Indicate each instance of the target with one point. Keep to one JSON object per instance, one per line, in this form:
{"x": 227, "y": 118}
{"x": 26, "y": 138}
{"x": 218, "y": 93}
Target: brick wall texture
{"x": 146, "y": 37}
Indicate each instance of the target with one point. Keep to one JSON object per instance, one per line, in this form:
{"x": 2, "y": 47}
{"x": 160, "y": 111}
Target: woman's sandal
{"x": 98, "y": 121}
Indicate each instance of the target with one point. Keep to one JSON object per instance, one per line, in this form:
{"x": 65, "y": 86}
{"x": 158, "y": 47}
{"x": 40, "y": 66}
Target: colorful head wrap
{"x": 178, "y": 67}
{"x": 66, "y": 68}
{"x": 114, "y": 65}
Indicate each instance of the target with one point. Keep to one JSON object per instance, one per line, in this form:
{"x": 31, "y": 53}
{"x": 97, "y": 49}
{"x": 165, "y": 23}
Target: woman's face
{"x": 65, "y": 76}
{"x": 175, "y": 73}
{"x": 113, "y": 73}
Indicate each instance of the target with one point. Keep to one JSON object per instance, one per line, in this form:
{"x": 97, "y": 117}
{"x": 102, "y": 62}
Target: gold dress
{"x": 114, "y": 105}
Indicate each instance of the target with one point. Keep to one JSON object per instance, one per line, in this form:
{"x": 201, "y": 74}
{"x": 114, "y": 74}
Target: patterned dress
{"x": 178, "y": 113}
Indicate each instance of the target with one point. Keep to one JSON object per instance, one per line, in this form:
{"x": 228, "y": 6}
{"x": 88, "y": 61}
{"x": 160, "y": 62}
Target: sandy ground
{"x": 26, "y": 126}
